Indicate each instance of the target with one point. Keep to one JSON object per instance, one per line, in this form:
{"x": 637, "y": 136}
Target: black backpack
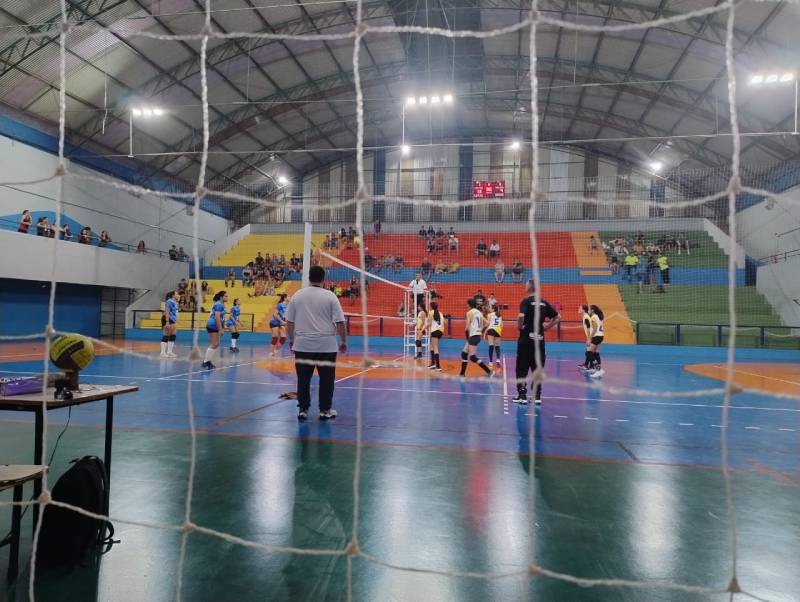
{"x": 66, "y": 537}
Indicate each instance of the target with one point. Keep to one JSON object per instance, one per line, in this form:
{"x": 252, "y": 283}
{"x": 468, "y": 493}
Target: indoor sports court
{"x": 556, "y": 245}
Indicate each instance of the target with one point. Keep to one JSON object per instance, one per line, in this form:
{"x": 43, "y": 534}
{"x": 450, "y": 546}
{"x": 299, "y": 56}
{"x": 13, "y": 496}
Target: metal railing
{"x": 779, "y": 257}
{"x": 94, "y": 240}
{"x": 717, "y": 335}
{"x": 198, "y": 319}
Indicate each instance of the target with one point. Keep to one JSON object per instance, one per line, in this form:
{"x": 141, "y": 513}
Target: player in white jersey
{"x": 596, "y": 317}
{"x": 494, "y": 331}
{"x": 419, "y": 329}
{"x": 436, "y": 324}
{"x": 476, "y": 324}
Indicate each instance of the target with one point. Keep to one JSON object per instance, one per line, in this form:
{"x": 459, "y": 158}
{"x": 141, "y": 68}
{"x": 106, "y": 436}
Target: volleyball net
{"x": 379, "y": 281}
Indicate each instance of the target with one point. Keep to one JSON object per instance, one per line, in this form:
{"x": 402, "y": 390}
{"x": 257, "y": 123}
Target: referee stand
{"x": 410, "y": 325}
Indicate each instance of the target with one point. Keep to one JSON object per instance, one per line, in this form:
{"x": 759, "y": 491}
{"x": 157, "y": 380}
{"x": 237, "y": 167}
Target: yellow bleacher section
{"x": 281, "y": 244}
{"x": 262, "y": 308}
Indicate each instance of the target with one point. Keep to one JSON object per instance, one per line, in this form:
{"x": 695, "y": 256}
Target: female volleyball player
{"x": 597, "y": 338}
{"x": 494, "y": 331}
{"x": 234, "y": 324}
{"x": 474, "y": 331}
{"x": 436, "y": 324}
{"x": 278, "y": 325}
{"x": 214, "y": 327}
{"x": 169, "y": 325}
{"x": 419, "y": 329}
{"x": 586, "y": 322}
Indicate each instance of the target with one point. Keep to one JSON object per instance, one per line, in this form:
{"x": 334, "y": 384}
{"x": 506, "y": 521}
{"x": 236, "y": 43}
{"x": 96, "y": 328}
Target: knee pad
{"x": 473, "y": 358}
{"x": 282, "y": 340}
{"x": 274, "y": 340}
{"x": 464, "y": 356}
{"x": 418, "y": 343}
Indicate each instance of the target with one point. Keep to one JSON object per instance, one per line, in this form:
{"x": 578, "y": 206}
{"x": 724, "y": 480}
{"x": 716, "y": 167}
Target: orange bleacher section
{"x": 555, "y": 249}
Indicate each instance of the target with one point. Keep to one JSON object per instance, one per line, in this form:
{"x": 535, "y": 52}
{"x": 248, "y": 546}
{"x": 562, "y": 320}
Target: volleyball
{"x": 71, "y": 352}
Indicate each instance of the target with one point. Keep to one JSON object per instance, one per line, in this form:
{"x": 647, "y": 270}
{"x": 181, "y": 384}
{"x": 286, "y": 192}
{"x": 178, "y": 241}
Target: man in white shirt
{"x": 313, "y": 320}
{"x": 418, "y": 287}
{"x": 494, "y": 249}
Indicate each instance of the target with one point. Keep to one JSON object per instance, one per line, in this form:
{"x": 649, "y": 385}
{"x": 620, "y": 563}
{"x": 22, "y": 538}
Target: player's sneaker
{"x": 302, "y": 415}
{"x": 327, "y": 415}
{"x": 597, "y": 373}
{"x": 521, "y": 399}
{"x": 497, "y": 363}
{"x": 172, "y": 354}
{"x": 232, "y": 349}
{"x": 208, "y": 365}
{"x": 537, "y": 402}
{"x": 418, "y": 356}
{"x": 163, "y": 355}
{"x": 432, "y": 367}
{"x": 437, "y": 369}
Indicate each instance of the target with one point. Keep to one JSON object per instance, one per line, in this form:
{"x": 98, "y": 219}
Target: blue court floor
{"x": 625, "y": 484}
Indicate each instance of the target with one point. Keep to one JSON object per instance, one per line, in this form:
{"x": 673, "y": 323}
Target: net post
{"x": 307, "y": 230}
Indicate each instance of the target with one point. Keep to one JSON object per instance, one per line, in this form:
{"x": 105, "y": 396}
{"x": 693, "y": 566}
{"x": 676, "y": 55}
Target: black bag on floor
{"x": 66, "y": 537}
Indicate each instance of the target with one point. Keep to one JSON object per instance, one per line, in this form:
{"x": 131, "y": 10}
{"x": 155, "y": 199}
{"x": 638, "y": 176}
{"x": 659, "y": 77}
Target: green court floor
{"x": 591, "y": 519}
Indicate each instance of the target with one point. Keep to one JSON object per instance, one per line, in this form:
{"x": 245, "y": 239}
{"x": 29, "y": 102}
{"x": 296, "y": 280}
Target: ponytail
{"x": 219, "y": 296}
{"x": 599, "y": 312}
{"x": 436, "y": 315}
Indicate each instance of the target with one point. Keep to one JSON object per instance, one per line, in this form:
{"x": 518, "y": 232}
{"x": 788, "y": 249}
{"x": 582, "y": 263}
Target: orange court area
{"x": 783, "y": 379}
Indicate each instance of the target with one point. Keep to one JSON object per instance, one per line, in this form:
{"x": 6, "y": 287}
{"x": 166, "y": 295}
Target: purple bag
{"x": 21, "y": 385}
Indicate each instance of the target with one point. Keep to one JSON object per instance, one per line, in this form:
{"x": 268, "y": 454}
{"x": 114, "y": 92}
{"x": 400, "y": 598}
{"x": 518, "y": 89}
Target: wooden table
{"x": 14, "y": 477}
{"x": 88, "y": 393}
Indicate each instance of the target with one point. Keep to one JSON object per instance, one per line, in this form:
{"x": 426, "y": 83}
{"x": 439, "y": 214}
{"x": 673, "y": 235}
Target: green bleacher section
{"x": 696, "y": 309}
{"x": 705, "y": 252}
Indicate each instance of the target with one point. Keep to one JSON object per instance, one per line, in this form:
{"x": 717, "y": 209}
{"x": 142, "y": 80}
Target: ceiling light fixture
{"x": 448, "y": 98}
{"x": 423, "y": 100}
{"x": 514, "y": 145}
{"x": 405, "y": 150}
{"x": 283, "y": 180}
{"x": 411, "y": 101}
{"x": 656, "y": 166}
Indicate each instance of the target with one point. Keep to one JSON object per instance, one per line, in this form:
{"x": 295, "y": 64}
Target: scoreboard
{"x": 489, "y": 190}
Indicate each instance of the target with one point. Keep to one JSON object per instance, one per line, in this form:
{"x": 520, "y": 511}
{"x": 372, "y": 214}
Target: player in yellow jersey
{"x": 419, "y": 329}
{"x": 494, "y": 332}
{"x": 436, "y": 325}
{"x": 596, "y": 315}
{"x": 586, "y": 322}
{"x": 476, "y": 325}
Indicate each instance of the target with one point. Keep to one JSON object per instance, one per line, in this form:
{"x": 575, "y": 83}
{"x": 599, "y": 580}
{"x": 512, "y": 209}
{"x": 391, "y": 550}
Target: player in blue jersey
{"x": 234, "y": 324}
{"x": 169, "y": 325}
{"x": 278, "y": 324}
{"x": 214, "y": 327}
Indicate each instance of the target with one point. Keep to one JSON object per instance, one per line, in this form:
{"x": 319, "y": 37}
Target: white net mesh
{"x": 533, "y": 20}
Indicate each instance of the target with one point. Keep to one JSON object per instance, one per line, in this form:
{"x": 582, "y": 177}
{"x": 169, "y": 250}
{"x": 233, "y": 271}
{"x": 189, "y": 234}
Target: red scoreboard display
{"x": 489, "y": 190}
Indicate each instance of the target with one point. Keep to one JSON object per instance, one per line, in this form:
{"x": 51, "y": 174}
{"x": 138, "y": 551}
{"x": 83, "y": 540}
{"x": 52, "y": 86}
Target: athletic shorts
{"x": 211, "y": 329}
{"x": 665, "y": 276}
{"x": 597, "y": 340}
{"x": 474, "y": 340}
{"x": 163, "y": 321}
{"x": 437, "y": 334}
{"x": 492, "y": 333}
{"x": 274, "y": 323}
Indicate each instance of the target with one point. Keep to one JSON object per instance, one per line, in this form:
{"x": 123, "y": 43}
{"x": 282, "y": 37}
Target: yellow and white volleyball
{"x": 71, "y": 352}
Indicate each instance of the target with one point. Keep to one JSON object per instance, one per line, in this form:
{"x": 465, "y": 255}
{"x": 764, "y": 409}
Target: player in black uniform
{"x": 530, "y": 336}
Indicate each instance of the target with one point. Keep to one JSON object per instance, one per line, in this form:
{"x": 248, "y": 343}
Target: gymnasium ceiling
{"x": 658, "y": 94}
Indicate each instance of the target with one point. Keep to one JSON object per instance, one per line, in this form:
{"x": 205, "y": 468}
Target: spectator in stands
{"x": 182, "y": 286}
{"x": 491, "y": 302}
{"x": 613, "y": 263}
{"x": 85, "y": 237}
{"x": 204, "y": 287}
{"x": 140, "y": 248}
{"x": 66, "y": 233}
{"x": 480, "y": 249}
{"x": 25, "y": 221}
{"x": 398, "y": 263}
{"x": 631, "y": 262}
{"x": 593, "y": 245}
{"x": 454, "y": 267}
{"x": 494, "y": 249}
{"x": 425, "y": 268}
{"x": 451, "y": 232}
{"x": 259, "y": 260}
{"x": 452, "y": 242}
{"x": 440, "y": 241}
{"x": 230, "y": 279}
{"x": 247, "y": 275}
{"x": 480, "y": 299}
{"x": 440, "y": 233}
{"x": 42, "y": 227}
{"x": 517, "y": 271}
{"x": 356, "y": 241}
{"x": 388, "y": 262}
{"x": 441, "y": 267}
{"x": 431, "y": 232}
{"x": 376, "y": 227}
{"x": 104, "y": 239}
{"x": 369, "y": 261}
{"x": 182, "y": 255}
{"x": 422, "y": 233}
{"x": 499, "y": 271}
{"x": 430, "y": 244}
{"x": 663, "y": 265}
{"x": 173, "y": 253}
